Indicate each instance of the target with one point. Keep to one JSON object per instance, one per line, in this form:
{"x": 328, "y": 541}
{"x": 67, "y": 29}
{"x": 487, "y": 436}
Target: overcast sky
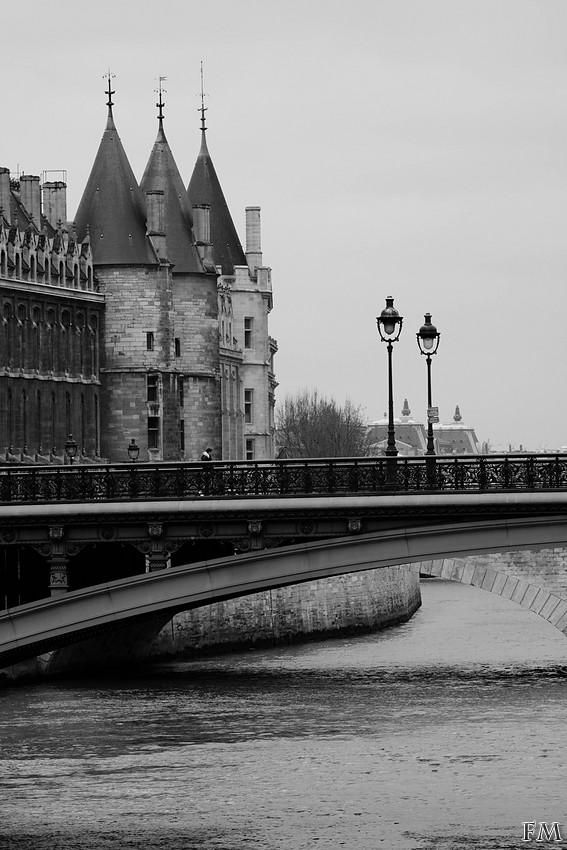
{"x": 396, "y": 147}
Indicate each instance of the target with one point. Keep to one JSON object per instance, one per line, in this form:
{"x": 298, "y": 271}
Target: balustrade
{"x": 281, "y": 478}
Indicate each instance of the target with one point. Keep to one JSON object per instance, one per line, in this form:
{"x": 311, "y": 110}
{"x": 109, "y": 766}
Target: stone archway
{"x": 512, "y": 575}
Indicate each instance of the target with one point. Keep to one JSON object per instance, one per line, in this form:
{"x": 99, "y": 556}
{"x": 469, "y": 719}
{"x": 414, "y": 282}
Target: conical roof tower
{"x": 204, "y": 188}
{"x": 161, "y": 173}
{"x": 113, "y": 207}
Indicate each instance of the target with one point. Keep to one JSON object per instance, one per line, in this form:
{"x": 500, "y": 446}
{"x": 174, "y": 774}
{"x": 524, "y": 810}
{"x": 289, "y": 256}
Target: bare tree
{"x": 310, "y": 425}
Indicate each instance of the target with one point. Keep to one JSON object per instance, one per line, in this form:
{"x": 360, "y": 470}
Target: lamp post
{"x": 428, "y": 343}
{"x": 133, "y": 450}
{"x": 389, "y": 324}
{"x": 71, "y": 448}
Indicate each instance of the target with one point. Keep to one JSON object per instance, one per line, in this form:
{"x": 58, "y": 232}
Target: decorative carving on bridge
{"x": 243, "y": 544}
{"x": 155, "y": 529}
{"x": 108, "y": 532}
{"x": 206, "y": 529}
{"x": 56, "y": 532}
{"x": 306, "y": 527}
{"x": 354, "y": 526}
{"x": 8, "y": 535}
{"x": 255, "y": 526}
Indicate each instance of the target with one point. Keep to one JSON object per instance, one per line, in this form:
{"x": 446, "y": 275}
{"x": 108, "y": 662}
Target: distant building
{"x": 411, "y": 436}
{"x": 144, "y": 319}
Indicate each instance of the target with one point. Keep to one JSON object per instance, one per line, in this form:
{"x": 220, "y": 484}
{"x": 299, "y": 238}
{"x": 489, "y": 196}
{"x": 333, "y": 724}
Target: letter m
{"x": 549, "y": 833}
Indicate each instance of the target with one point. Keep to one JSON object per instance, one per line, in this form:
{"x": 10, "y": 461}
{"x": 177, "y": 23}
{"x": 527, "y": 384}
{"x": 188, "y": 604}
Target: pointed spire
{"x": 457, "y": 417}
{"x": 205, "y": 189}
{"x": 161, "y": 174}
{"x": 113, "y": 204}
{"x": 406, "y": 409}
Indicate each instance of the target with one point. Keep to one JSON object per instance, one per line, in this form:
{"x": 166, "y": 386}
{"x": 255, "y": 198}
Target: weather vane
{"x": 108, "y": 76}
{"x": 160, "y": 104}
{"x": 202, "y": 108}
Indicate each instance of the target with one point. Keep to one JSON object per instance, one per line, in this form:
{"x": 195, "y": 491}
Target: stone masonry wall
{"x": 358, "y": 602}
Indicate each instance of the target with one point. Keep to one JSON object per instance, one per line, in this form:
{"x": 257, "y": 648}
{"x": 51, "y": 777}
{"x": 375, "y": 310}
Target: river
{"x": 445, "y": 732}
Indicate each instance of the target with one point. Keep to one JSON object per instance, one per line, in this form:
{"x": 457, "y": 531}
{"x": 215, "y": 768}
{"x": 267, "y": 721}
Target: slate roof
{"x": 204, "y": 188}
{"x": 161, "y": 173}
{"x": 113, "y": 207}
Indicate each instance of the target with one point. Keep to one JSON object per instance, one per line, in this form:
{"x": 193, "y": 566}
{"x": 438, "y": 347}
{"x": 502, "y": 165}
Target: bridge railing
{"x": 281, "y": 478}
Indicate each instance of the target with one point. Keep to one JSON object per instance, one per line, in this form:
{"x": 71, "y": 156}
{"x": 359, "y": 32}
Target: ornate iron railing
{"x": 281, "y": 478}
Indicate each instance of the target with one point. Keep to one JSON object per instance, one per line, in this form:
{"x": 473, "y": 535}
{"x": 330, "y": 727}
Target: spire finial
{"x": 108, "y": 76}
{"x": 202, "y": 108}
{"x": 161, "y": 103}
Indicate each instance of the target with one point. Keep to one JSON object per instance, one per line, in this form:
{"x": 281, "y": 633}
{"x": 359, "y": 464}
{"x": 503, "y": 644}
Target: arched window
{"x": 22, "y": 335}
{"x": 80, "y": 328}
{"x": 76, "y": 275}
{"x": 61, "y": 274}
{"x": 33, "y": 272}
{"x": 68, "y": 425}
{"x": 38, "y": 420}
{"x": 50, "y": 329}
{"x": 35, "y": 341}
{"x": 18, "y": 266}
{"x": 3, "y": 264}
{"x": 25, "y": 420}
{"x": 7, "y": 322}
{"x": 66, "y": 347}
{"x": 10, "y": 418}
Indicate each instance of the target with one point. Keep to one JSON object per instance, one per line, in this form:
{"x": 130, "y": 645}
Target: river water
{"x": 445, "y": 732}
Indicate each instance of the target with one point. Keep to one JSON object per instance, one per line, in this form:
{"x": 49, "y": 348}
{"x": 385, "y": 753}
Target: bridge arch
{"x": 51, "y": 623}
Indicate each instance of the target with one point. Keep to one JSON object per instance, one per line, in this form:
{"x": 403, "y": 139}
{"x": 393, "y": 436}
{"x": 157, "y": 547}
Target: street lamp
{"x": 71, "y": 448}
{"x": 133, "y": 450}
{"x": 390, "y": 327}
{"x": 428, "y": 342}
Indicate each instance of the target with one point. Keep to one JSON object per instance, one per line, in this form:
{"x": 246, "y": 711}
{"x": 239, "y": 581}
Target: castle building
{"x": 143, "y": 320}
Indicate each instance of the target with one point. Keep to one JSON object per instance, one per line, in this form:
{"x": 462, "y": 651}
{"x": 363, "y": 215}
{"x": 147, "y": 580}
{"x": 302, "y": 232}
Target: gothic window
{"x": 80, "y": 327}
{"x": 248, "y": 406}
{"x": 248, "y": 332}
{"x": 149, "y": 341}
{"x": 25, "y": 418}
{"x": 7, "y": 321}
{"x": 33, "y": 275}
{"x": 96, "y": 423}
{"x": 181, "y": 389}
{"x": 76, "y": 275}
{"x": 182, "y": 435}
{"x": 53, "y": 420}
{"x": 153, "y": 432}
{"x": 177, "y": 347}
{"x": 50, "y": 340}
{"x": 66, "y": 332}
{"x": 10, "y": 418}
{"x": 249, "y": 449}
{"x": 3, "y": 264}
{"x": 38, "y": 420}
{"x": 152, "y": 384}
{"x": 68, "y": 427}
{"x": 22, "y": 335}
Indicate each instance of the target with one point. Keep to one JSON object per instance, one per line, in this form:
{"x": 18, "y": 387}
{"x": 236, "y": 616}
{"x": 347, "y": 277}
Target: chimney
{"x": 55, "y": 203}
{"x": 202, "y": 230}
{"x": 155, "y": 210}
{"x": 253, "y": 246}
{"x": 31, "y": 197}
{"x": 5, "y": 192}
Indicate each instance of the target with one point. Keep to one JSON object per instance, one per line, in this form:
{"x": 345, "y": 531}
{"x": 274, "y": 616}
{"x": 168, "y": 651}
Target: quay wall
{"x": 349, "y": 604}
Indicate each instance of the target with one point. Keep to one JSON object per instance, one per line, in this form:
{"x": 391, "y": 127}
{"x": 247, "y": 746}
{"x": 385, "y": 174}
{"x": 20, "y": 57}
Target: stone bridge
{"x": 497, "y": 523}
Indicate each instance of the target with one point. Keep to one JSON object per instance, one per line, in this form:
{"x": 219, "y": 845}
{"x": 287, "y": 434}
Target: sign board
{"x": 433, "y": 414}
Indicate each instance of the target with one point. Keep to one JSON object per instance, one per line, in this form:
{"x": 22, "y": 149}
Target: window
{"x": 181, "y": 389}
{"x": 152, "y": 388}
{"x": 249, "y": 449}
{"x": 248, "y": 406}
{"x": 177, "y": 347}
{"x": 248, "y": 332}
{"x": 182, "y": 435}
{"x": 149, "y": 341}
{"x": 153, "y": 432}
